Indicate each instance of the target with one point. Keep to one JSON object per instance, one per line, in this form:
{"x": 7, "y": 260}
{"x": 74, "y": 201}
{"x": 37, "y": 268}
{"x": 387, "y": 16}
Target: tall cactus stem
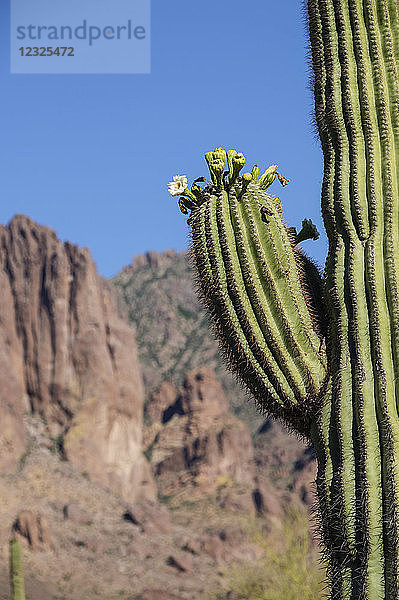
{"x": 355, "y": 51}
{"x": 16, "y": 572}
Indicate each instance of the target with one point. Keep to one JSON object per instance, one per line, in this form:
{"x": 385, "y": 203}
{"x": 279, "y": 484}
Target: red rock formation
{"x": 195, "y": 441}
{"x": 68, "y": 355}
{"x": 13, "y": 400}
{"x": 33, "y": 528}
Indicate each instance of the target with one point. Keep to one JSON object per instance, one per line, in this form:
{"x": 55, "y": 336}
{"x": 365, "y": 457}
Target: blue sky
{"x": 91, "y": 155}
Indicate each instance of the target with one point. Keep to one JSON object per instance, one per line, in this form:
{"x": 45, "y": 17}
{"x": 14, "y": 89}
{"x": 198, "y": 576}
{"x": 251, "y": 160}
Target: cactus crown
{"x": 222, "y": 180}
{"x": 263, "y": 294}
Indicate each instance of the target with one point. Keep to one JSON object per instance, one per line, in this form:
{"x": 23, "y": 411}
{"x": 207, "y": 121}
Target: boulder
{"x": 191, "y": 545}
{"x": 181, "y": 562}
{"x": 33, "y": 528}
{"x": 73, "y": 512}
{"x": 237, "y": 499}
{"x": 149, "y": 516}
{"x": 214, "y": 547}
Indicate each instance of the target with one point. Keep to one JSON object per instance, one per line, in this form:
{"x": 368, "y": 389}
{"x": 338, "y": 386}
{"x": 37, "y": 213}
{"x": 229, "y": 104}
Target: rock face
{"x": 153, "y": 259}
{"x": 68, "y": 356}
{"x": 33, "y": 528}
{"x": 194, "y": 442}
{"x": 285, "y": 462}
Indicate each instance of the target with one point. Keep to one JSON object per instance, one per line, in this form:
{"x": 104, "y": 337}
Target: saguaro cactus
{"x": 328, "y": 367}
{"x": 16, "y": 573}
{"x": 355, "y": 47}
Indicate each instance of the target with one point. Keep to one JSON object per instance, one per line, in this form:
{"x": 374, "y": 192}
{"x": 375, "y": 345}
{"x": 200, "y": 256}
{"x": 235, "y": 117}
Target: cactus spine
{"x": 265, "y": 296}
{"x": 16, "y": 574}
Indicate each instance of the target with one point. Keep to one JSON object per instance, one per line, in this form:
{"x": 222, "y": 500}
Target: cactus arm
{"x": 265, "y": 291}
{"x": 247, "y": 296}
{"x": 16, "y": 573}
{"x": 259, "y": 289}
{"x": 280, "y": 286}
{"x": 211, "y": 280}
{"x": 248, "y": 328}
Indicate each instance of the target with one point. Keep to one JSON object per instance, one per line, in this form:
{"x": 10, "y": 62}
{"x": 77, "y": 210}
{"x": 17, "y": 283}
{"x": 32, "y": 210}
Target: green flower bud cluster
{"x": 221, "y": 179}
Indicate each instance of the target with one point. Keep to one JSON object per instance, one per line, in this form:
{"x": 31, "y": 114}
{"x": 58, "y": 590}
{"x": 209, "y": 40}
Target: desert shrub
{"x": 290, "y": 567}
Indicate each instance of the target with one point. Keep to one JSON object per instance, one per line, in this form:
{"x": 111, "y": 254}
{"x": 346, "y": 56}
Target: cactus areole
{"x": 322, "y": 354}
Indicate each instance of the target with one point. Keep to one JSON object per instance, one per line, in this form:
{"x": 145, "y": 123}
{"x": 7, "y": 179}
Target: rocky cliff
{"x": 194, "y": 442}
{"x": 67, "y": 356}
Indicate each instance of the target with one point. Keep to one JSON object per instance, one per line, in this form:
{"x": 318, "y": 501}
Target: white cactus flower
{"x": 178, "y": 185}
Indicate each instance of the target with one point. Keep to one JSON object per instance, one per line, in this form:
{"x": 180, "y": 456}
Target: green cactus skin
{"x": 355, "y": 51}
{"x": 249, "y": 279}
{"x": 16, "y": 573}
{"x": 324, "y": 355}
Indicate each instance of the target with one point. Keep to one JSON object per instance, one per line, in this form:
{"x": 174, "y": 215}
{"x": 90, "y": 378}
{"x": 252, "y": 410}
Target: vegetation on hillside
{"x": 289, "y": 568}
